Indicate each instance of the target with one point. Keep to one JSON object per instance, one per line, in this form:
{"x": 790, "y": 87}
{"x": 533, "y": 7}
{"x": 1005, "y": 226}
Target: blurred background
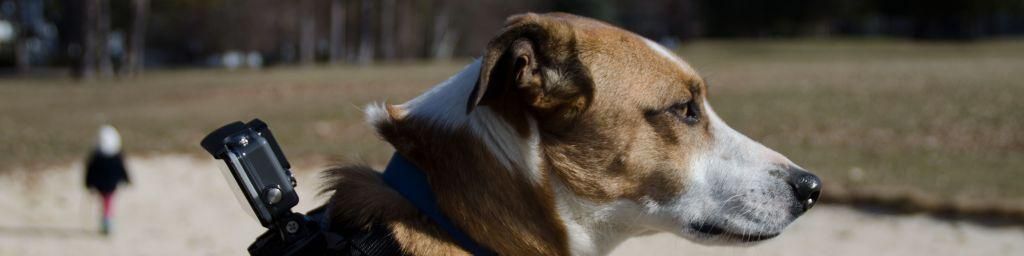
{"x": 910, "y": 110}
{"x": 109, "y": 37}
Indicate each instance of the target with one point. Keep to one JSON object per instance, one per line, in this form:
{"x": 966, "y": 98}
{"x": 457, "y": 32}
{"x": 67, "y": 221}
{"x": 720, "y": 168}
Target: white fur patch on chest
{"x": 595, "y": 228}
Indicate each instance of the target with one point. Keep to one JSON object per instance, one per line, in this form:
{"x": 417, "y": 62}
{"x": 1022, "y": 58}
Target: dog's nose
{"x": 806, "y": 187}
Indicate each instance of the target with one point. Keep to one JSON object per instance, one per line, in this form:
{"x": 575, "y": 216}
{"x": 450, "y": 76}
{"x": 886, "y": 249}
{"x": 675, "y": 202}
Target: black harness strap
{"x": 323, "y": 239}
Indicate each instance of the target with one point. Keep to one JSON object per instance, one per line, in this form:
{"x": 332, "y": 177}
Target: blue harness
{"x": 402, "y": 176}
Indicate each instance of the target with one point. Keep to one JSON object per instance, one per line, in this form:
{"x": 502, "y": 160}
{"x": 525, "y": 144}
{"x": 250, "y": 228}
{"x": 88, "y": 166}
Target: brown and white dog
{"x": 567, "y": 137}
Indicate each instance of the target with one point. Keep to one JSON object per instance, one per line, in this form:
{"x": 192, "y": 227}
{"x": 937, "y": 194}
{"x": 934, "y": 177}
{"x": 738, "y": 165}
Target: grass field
{"x": 943, "y": 118}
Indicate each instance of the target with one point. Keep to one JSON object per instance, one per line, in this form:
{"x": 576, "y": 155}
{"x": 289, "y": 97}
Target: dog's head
{"x": 627, "y": 133}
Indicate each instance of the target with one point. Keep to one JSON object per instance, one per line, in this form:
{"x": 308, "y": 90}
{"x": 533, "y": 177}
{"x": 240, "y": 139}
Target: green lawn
{"x": 945, "y": 118}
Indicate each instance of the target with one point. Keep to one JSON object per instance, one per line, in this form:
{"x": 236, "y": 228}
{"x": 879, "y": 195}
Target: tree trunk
{"x": 137, "y": 45}
{"x": 352, "y": 51}
{"x": 307, "y": 33}
{"x": 21, "y": 36}
{"x": 444, "y": 36}
{"x": 105, "y": 64}
{"x": 388, "y": 8}
{"x": 337, "y": 40}
{"x": 21, "y": 55}
{"x": 87, "y": 59}
{"x": 366, "y": 40}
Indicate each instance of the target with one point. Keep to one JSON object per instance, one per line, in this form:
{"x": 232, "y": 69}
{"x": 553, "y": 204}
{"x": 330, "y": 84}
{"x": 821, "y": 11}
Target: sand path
{"x": 181, "y": 205}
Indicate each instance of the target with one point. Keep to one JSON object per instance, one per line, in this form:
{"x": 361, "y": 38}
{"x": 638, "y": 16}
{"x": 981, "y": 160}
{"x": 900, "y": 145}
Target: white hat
{"x": 109, "y": 140}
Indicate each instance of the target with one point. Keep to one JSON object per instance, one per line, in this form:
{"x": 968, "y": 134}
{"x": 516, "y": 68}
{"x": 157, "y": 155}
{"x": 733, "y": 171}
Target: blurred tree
{"x": 307, "y": 32}
{"x": 337, "y": 27}
{"x": 137, "y": 43}
{"x": 606, "y": 10}
{"x": 22, "y": 23}
{"x": 388, "y": 17}
{"x": 102, "y": 34}
{"x": 198, "y": 32}
{"x": 87, "y": 62}
{"x": 444, "y": 35}
{"x": 366, "y": 35}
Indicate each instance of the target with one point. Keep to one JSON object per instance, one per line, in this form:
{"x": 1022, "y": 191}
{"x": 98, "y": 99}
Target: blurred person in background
{"x": 105, "y": 170}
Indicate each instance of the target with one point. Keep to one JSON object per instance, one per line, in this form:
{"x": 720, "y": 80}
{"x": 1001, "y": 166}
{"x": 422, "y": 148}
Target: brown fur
{"x": 604, "y": 134}
{"x": 645, "y": 160}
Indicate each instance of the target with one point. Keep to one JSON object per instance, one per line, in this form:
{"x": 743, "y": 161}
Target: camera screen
{"x": 264, "y": 169}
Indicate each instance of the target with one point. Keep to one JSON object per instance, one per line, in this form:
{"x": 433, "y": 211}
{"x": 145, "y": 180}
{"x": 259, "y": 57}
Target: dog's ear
{"x": 534, "y": 58}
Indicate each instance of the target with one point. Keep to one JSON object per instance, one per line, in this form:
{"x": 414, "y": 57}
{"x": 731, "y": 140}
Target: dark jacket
{"x": 103, "y": 173}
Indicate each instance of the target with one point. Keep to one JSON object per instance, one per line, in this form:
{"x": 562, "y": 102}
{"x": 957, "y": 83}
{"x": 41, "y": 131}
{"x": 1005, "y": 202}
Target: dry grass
{"x": 946, "y": 119}
{"x": 316, "y": 111}
{"x": 943, "y": 118}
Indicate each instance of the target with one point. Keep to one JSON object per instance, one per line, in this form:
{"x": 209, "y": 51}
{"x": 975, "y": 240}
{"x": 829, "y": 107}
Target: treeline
{"x": 120, "y": 36}
{"x": 919, "y": 19}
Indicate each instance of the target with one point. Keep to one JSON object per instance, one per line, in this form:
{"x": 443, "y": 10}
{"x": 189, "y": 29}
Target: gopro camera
{"x": 258, "y": 167}
{"x": 260, "y": 171}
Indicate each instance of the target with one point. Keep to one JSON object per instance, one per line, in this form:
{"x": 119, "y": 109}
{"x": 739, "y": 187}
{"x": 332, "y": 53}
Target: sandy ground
{"x": 180, "y": 205}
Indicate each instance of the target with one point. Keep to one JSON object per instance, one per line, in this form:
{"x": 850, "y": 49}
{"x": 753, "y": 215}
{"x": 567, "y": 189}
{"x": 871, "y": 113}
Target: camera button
{"x": 273, "y": 195}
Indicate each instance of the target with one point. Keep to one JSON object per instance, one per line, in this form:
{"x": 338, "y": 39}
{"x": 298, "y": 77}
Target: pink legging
{"x": 107, "y": 200}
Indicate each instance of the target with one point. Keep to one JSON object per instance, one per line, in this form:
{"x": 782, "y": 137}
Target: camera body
{"x": 261, "y": 175}
{"x": 258, "y": 167}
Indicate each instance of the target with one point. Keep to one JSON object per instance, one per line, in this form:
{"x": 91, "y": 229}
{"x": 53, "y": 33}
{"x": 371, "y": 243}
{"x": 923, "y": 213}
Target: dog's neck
{"x": 488, "y": 174}
{"x": 443, "y": 109}
{"x": 483, "y": 169}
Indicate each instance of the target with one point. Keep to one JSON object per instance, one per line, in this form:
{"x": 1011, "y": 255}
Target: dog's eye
{"x": 686, "y": 112}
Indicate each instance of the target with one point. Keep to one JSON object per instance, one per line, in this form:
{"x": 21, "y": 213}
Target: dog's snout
{"x": 806, "y": 187}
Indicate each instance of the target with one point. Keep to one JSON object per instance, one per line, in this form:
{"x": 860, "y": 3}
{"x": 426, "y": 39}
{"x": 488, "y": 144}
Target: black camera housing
{"x": 258, "y": 166}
